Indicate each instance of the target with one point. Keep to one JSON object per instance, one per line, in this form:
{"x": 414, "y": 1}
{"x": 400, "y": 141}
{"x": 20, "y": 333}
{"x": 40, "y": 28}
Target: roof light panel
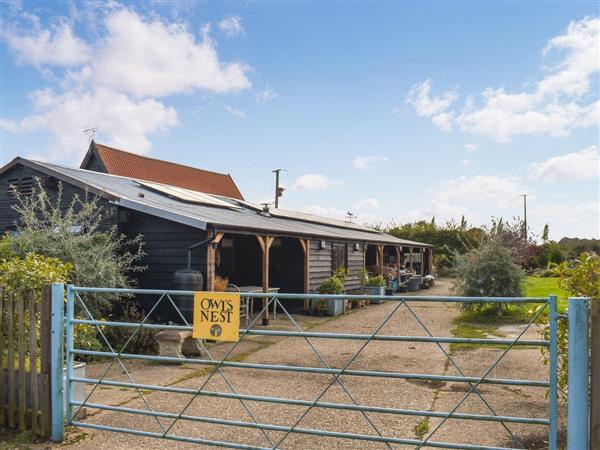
{"x": 188, "y": 195}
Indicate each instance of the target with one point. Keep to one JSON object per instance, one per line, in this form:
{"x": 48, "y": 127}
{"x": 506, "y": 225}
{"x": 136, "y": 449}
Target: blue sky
{"x": 394, "y": 111}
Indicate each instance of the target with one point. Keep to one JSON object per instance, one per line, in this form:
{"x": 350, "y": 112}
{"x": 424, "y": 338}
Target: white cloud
{"x": 136, "y": 60}
{"x": 56, "y": 46}
{"x": 235, "y": 112}
{"x": 364, "y": 162}
{"x": 122, "y": 121}
{"x": 434, "y": 107}
{"x": 440, "y": 210}
{"x": 368, "y": 203}
{"x": 556, "y": 105}
{"x": 315, "y": 182}
{"x": 502, "y": 191}
{"x": 467, "y": 162}
{"x": 153, "y": 58}
{"x": 470, "y": 147}
{"x": 568, "y": 219}
{"x": 266, "y": 95}
{"x": 231, "y": 26}
{"x": 579, "y": 165}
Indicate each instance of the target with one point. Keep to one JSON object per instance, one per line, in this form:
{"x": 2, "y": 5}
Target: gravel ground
{"x": 388, "y": 356}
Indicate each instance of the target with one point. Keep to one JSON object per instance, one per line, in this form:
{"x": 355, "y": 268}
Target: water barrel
{"x": 414, "y": 284}
{"x": 186, "y": 280}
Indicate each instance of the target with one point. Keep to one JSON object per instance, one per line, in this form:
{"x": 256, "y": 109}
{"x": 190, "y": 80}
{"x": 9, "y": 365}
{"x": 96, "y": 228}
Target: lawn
{"x": 485, "y": 323}
{"x": 542, "y": 287}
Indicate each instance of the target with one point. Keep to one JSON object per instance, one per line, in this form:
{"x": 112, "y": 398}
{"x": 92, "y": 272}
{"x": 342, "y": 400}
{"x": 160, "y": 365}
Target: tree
{"x": 511, "y": 236}
{"x": 463, "y": 222}
{"x": 545, "y": 233}
{"x": 448, "y": 239}
{"x": 76, "y": 235}
{"x": 488, "y": 271}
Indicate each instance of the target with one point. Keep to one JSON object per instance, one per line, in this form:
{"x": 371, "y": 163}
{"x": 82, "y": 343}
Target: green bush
{"x": 75, "y": 234}
{"x": 144, "y": 340}
{"x": 581, "y": 279}
{"x": 548, "y": 254}
{"x": 32, "y": 272}
{"x": 488, "y": 271}
{"x": 331, "y": 285}
{"x": 378, "y": 280}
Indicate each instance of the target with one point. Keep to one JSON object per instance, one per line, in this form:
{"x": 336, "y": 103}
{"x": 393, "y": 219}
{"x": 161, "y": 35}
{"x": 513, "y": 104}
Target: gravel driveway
{"x": 377, "y": 355}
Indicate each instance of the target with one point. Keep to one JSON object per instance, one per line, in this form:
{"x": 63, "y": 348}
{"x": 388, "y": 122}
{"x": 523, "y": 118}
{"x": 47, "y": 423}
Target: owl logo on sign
{"x": 216, "y": 330}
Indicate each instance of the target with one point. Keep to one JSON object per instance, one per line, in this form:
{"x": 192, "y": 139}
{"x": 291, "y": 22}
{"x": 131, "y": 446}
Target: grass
{"x": 484, "y": 323}
{"x": 422, "y": 429}
{"x": 543, "y": 287}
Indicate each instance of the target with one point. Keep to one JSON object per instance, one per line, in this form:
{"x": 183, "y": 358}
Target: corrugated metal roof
{"x": 131, "y": 193}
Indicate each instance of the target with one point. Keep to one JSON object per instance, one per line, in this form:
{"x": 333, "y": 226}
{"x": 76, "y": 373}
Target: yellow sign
{"x": 217, "y": 316}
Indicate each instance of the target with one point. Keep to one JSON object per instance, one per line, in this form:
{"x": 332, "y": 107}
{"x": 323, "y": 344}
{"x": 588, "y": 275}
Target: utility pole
{"x": 278, "y": 189}
{"x": 524, "y": 215}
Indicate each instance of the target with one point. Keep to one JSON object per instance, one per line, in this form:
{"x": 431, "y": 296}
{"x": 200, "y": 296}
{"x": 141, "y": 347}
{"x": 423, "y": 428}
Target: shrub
{"x": 75, "y": 234}
{"x": 488, "y": 271}
{"x": 548, "y": 254}
{"x": 32, "y": 272}
{"x": 331, "y": 285}
{"x": 581, "y": 279}
{"x": 378, "y": 280}
{"x": 144, "y": 340}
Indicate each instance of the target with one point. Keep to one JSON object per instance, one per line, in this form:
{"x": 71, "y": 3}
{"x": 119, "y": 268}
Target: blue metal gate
{"x": 275, "y": 435}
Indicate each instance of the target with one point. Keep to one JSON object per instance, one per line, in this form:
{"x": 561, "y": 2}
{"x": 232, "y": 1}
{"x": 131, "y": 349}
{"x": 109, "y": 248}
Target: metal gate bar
{"x": 336, "y": 373}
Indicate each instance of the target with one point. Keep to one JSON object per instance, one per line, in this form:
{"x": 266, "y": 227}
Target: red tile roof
{"x": 119, "y": 162}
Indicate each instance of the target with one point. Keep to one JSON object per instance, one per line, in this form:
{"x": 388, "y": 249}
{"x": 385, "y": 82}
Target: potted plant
{"x": 334, "y": 307}
{"x": 375, "y": 286}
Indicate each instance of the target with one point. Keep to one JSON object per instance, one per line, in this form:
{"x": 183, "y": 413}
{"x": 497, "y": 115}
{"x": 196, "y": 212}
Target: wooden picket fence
{"x": 25, "y": 330}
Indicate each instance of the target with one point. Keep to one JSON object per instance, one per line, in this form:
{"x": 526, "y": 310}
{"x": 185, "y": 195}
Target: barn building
{"x": 174, "y": 209}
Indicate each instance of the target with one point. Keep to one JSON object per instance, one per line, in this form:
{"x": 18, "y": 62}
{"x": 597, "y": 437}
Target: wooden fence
{"x": 25, "y": 337}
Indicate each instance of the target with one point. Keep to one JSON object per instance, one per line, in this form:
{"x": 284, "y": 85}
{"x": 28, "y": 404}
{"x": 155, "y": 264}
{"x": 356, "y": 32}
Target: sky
{"x": 393, "y": 111}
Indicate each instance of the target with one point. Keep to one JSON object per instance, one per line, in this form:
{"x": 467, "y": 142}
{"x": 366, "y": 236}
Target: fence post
{"x": 553, "y": 399}
{"x": 56, "y": 355}
{"x": 68, "y": 353}
{"x": 595, "y": 375}
{"x": 578, "y": 408}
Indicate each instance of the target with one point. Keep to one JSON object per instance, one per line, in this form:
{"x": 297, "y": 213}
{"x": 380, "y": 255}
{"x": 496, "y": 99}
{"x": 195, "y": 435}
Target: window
{"x": 339, "y": 257}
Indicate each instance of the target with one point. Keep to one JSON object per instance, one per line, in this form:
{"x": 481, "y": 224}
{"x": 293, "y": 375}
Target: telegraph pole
{"x": 524, "y": 215}
{"x": 278, "y": 189}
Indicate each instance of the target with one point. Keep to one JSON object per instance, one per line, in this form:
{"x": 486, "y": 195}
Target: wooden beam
{"x": 218, "y": 237}
{"x": 398, "y": 258}
{"x": 422, "y": 265}
{"x": 305, "y": 244}
{"x": 410, "y": 252}
{"x": 210, "y": 264}
{"x": 430, "y": 258}
{"x": 265, "y": 244}
{"x": 380, "y": 259}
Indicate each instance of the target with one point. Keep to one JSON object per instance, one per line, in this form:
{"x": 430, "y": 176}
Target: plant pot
{"x": 334, "y": 307}
{"x": 375, "y": 290}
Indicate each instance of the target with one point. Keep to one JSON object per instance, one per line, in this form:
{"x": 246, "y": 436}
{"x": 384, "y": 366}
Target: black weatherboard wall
{"x": 166, "y": 246}
{"x": 23, "y": 176}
